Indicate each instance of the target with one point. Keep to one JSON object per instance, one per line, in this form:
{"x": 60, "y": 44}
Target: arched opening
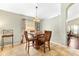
{"x": 73, "y": 25}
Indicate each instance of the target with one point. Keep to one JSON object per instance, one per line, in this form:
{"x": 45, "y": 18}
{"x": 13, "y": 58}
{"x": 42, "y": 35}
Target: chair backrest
{"x": 48, "y": 35}
{"x": 26, "y": 35}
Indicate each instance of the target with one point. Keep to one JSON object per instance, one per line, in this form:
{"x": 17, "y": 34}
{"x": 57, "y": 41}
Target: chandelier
{"x": 36, "y": 19}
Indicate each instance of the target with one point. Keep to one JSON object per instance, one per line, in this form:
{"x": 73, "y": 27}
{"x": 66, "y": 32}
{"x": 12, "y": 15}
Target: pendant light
{"x": 36, "y": 19}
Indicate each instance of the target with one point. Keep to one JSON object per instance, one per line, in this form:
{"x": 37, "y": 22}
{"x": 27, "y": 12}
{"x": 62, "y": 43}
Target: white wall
{"x": 11, "y": 21}
{"x": 63, "y": 26}
{"x": 54, "y": 25}
{"x": 58, "y": 26}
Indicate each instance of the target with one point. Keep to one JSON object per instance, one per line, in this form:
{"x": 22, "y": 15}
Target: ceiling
{"x": 45, "y": 10}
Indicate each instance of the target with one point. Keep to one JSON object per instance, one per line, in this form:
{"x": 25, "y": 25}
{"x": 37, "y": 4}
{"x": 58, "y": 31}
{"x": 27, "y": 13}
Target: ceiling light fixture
{"x": 36, "y": 19}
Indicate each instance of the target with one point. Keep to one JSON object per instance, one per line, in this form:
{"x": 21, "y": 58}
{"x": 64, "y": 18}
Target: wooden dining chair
{"x": 46, "y": 38}
{"x": 28, "y": 40}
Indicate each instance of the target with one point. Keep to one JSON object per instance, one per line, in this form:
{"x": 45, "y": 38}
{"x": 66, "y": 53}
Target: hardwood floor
{"x": 56, "y": 50}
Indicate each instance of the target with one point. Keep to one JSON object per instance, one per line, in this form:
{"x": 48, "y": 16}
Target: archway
{"x": 73, "y": 24}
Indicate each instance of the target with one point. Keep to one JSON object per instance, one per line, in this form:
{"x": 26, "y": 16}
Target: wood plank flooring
{"x": 56, "y": 50}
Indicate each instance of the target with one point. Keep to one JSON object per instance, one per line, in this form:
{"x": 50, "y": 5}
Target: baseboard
{"x": 59, "y": 44}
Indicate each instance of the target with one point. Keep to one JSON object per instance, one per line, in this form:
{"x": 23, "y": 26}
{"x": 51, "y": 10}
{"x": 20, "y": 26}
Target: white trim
{"x": 59, "y": 44}
{"x": 65, "y": 46}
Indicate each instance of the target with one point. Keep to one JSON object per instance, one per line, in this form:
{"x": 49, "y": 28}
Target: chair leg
{"x": 12, "y": 42}
{"x": 49, "y": 45}
{"x": 22, "y": 39}
{"x": 44, "y": 47}
{"x": 28, "y": 47}
{"x": 33, "y": 43}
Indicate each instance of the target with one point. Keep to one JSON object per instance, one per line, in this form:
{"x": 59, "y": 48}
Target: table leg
{"x": 12, "y": 42}
{"x": 2, "y": 44}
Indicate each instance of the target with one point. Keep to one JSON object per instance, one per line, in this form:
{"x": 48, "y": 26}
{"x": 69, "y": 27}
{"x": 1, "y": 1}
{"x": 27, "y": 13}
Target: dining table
{"x": 36, "y": 36}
